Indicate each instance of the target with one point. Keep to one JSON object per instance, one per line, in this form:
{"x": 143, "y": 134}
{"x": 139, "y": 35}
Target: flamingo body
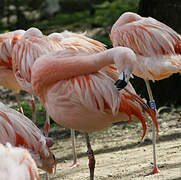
{"x": 34, "y": 44}
{"x": 158, "y": 51}
{"x": 80, "y": 91}
{"x": 157, "y": 46}
{"x": 18, "y": 130}
{"x": 7, "y": 78}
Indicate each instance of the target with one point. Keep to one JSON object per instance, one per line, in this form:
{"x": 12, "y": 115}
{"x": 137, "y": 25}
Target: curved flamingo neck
{"x": 126, "y": 18}
{"x": 50, "y": 69}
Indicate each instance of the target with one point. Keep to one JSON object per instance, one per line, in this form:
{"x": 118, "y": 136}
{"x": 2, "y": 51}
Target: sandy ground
{"x": 118, "y": 151}
{"x": 120, "y": 154}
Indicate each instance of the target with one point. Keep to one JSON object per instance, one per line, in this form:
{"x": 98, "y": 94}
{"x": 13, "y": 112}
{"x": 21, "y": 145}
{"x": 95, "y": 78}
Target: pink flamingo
{"x": 77, "y": 89}
{"x": 7, "y": 78}
{"x": 158, "y": 49}
{"x": 20, "y": 131}
{"x": 17, "y": 163}
{"x": 34, "y": 44}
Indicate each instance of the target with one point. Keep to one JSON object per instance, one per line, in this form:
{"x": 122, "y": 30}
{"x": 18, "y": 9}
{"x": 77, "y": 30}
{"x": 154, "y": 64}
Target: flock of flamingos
{"x": 81, "y": 84}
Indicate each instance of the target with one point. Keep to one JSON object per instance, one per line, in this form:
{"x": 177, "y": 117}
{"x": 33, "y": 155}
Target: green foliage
{"x": 65, "y": 21}
{"x": 107, "y": 13}
{"x": 104, "y": 15}
{"x": 40, "y": 112}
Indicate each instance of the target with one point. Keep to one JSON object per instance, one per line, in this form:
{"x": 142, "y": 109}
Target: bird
{"x": 34, "y": 44}
{"x": 17, "y": 164}
{"x": 158, "y": 51}
{"x": 78, "y": 42}
{"x": 19, "y": 131}
{"x": 7, "y": 78}
{"x": 77, "y": 90}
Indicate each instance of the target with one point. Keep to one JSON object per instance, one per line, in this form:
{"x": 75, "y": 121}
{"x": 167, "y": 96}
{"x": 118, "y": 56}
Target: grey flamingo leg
{"x": 90, "y": 156}
{"x": 152, "y": 106}
{"x": 75, "y": 162}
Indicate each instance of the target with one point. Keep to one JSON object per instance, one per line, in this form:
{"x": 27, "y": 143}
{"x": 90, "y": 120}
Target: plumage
{"x": 157, "y": 46}
{"x": 25, "y": 51}
{"x": 17, "y": 164}
{"x": 34, "y": 44}
{"x": 79, "y": 93}
{"x": 77, "y": 90}
{"x": 20, "y": 131}
{"x": 7, "y": 78}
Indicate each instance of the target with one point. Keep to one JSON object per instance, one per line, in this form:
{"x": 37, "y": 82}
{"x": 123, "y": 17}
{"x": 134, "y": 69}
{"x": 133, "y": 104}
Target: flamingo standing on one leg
{"x": 17, "y": 164}
{"x": 77, "y": 89}
{"x": 158, "y": 49}
{"x": 78, "y": 42}
{"x": 20, "y": 131}
{"x": 34, "y": 44}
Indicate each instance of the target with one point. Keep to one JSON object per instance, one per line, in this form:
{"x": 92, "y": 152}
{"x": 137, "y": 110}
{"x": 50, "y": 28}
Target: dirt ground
{"x": 118, "y": 151}
{"x": 120, "y": 154}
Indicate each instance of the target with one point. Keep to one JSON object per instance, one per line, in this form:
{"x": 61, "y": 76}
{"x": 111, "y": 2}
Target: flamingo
{"x": 77, "y": 90}
{"x": 17, "y": 164}
{"x": 34, "y": 44}
{"x": 158, "y": 49}
{"x": 20, "y": 131}
{"x": 7, "y": 78}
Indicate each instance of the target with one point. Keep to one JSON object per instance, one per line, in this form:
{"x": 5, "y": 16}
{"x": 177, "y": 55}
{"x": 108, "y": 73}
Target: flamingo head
{"x": 49, "y": 163}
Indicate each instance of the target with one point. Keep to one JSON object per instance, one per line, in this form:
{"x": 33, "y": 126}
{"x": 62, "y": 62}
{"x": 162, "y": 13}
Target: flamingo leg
{"x": 33, "y": 103}
{"x": 75, "y": 162}
{"x": 19, "y": 103}
{"x": 90, "y": 153}
{"x": 47, "y": 125}
{"x": 152, "y": 106}
{"x": 46, "y": 129}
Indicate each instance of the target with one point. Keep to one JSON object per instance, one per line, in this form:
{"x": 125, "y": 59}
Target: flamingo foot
{"x": 154, "y": 171}
{"x": 74, "y": 165}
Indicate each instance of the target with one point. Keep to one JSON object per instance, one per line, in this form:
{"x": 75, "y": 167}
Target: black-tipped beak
{"x": 123, "y": 79}
{"x": 120, "y": 84}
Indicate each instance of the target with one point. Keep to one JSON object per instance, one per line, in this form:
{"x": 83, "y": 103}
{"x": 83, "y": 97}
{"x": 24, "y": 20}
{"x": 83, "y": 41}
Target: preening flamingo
{"x": 77, "y": 89}
{"x": 34, "y": 44}
{"x": 20, "y": 131}
{"x": 78, "y": 42}
{"x": 158, "y": 51}
{"x": 17, "y": 164}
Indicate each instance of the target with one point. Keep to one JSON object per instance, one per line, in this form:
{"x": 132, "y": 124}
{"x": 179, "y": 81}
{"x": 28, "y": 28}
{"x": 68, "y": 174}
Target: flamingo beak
{"x": 49, "y": 142}
{"x": 123, "y": 79}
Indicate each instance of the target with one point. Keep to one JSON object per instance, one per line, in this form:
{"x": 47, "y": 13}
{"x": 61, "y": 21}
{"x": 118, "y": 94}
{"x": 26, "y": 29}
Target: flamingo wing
{"x": 25, "y": 52}
{"x": 147, "y": 37}
{"x": 78, "y": 42}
